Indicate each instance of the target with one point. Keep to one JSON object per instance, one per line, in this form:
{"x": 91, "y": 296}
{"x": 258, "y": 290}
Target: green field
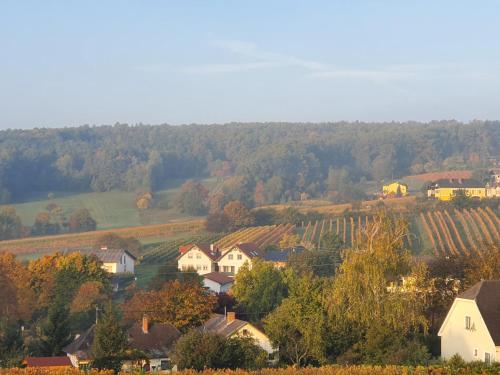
{"x": 114, "y": 209}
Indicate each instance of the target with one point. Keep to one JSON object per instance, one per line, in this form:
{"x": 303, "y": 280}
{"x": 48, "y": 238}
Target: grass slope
{"x": 114, "y": 209}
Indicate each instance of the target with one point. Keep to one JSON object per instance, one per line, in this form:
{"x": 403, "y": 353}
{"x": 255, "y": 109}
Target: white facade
{"x": 196, "y": 259}
{"x": 232, "y": 260}
{"x": 260, "y": 337}
{"x": 464, "y": 332}
{"x": 493, "y": 191}
{"x": 216, "y": 287}
{"x": 125, "y": 264}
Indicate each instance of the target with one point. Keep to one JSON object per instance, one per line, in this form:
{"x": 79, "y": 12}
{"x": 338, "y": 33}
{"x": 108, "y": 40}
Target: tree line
{"x": 272, "y": 162}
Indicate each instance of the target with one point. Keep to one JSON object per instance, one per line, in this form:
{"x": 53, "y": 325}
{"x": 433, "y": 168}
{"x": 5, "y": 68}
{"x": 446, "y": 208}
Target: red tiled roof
{"x": 249, "y": 249}
{"x": 47, "y": 361}
{"x": 219, "y": 278}
{"x": 205, "y": 248}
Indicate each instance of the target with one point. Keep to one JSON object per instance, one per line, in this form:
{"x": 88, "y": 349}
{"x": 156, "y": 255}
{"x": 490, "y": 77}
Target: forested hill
{"x": 291, "y": 157}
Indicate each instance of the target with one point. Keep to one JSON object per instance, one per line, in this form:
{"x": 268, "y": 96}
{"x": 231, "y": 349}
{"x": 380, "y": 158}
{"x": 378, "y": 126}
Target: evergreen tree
{"x": 11, "y": 345}
{"x": 56, "y": 331}
{"x": 109, "y": 341}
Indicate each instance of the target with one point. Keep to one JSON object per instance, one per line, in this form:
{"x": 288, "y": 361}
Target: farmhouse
{"x": 217, "y": 282}
{"x": 199, "y": 257}
{"x": 445, "y": 190}
{"x": 395, "y": 189}
{"x": 235, "y": 256}
{"x": 472, "y": 326}
{"x": 280, "y": 258}
{"x": 229, "y": 326}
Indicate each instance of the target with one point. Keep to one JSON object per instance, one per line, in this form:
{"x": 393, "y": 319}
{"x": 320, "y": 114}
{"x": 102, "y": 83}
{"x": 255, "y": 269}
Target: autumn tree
{"x": 87, "y": 296}
{"x": 217, "y": 222}
{"x": 259, "y": 195}
{"x": 61, "y": 275}
{"x": 484, "y": 267}
{"x": 10, "y": 224}
{"x": 361, "y": 295}
{"x": 44, "y": 225}
{"x": 238, "y": 215}
{"x": 259, "y": 288}
{"x": 82, "y": 221}
{"x": 109, "y": 342}
{"x": 17, "y": 299}
{"x": 184, "y": 305}
{"x": 192, "y": 198}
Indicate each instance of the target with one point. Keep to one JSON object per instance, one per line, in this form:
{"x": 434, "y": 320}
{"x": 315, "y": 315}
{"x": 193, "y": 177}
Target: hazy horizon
{"x": 71, "y": 64}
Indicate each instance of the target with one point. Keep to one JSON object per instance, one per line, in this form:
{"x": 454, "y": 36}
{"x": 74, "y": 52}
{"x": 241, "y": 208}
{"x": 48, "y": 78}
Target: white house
{"x": 217, "y": 282}
{"x": 113, "y": 260}
{"x": 199, "y": 257}
{"x": 235, "y": 256}
{"x": 229, "y": 326}
{"x": 472, "y": 326}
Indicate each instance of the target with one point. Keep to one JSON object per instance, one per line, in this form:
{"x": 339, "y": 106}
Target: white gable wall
{"x": 456, "y": 339}
{"x": 216, "y": 287}
{"x": 198, "y": 260}
{"x": 260, "y": 338}
{"x": 233, "y": 259}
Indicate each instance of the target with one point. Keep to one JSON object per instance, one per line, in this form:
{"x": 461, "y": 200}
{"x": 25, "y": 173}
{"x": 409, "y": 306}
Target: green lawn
{"x": 114, "y": 209}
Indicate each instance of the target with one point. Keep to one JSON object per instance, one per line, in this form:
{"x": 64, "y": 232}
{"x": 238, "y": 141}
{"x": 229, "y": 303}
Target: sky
{"x": 69, "y": 63}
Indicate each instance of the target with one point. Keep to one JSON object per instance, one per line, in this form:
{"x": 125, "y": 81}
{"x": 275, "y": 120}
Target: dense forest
{"x": 276, "y": 161}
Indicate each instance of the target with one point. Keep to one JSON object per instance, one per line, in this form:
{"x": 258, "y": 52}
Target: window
{"x": 198, "y": 267}
{"x": 198, "y": 256}
{"x": 475, "y": 352}
{"x": 205, "y": 268}
{"x": 487, "y": 358}
{"x": 226, "y": 268}
{"x": 232, "y": 269}
{"x": 165, "y": 365}
{"x": 240, "y": 257}
{"x": 190, "y": 255}
{"x": 230, "y": 257}
{"x": 467, "y": 322}
{"x": 245, "y": 332}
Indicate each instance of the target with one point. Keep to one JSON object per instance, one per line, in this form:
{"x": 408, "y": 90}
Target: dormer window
{"x": 468, "y": 323}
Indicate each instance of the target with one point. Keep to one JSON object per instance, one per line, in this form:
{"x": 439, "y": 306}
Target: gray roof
{"x": 219, "y": 325}
{"x": 458, "y": 183}
{"x": 157, "y": 343}
{"x": 486, "y": 293}
{"x": 105, "y": 255}
{"x": 219, "y": 278}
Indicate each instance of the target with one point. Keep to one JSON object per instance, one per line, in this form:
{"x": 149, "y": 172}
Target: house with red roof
{"x": 199, "y": 257}
{"x": 48, "y": 362}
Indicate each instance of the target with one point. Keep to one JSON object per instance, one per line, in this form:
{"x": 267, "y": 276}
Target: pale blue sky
{"x": 66, "y": 63}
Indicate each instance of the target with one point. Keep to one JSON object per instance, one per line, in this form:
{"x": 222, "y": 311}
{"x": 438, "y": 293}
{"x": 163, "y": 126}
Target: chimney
{"x": 145, "y": 325}
{"x": 231, "y": 317}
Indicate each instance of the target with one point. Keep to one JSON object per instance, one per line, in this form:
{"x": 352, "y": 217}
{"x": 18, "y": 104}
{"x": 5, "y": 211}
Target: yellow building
{"x": 445, "y": 190}
{"x": 396, "y": 189}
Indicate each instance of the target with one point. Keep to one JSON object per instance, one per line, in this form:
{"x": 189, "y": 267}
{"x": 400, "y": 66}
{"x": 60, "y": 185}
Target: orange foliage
{"x": 184, "y": 305}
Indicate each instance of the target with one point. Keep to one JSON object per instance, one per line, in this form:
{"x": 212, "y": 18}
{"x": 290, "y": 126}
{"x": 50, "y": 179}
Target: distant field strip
{"x": 64, "y": 241}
